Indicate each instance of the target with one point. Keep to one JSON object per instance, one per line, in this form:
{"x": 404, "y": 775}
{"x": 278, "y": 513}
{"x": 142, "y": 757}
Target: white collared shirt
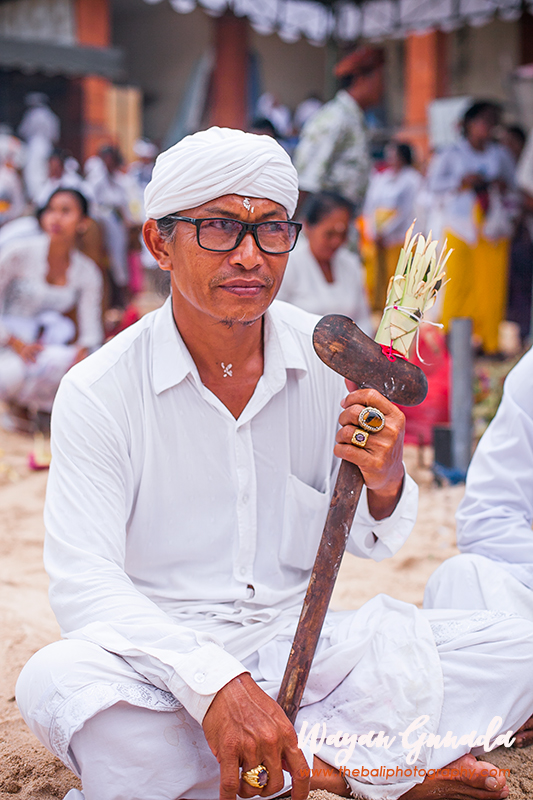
{"x": 177, "y": 536}
{"x": 445, "y": 175}
{"x": 395, "y": 194}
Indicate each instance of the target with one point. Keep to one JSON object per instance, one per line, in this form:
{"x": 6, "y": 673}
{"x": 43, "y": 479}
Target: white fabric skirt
{"x": 476, "y": 582}
{"x": 34, "y": 385}
{"x": 377, "y": 669}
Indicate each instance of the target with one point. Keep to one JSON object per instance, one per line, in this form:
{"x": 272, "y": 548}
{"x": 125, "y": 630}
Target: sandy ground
{"x": 26, "y": 622}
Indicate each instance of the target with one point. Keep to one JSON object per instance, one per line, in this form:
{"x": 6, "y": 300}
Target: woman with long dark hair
{"x": 50, "y": 305}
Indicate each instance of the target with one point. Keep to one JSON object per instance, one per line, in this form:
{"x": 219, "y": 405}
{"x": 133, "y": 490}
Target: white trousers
{"x": 129, "y": 740}
{"x": 473, "y": 581}
{"x": 35, "y": 385}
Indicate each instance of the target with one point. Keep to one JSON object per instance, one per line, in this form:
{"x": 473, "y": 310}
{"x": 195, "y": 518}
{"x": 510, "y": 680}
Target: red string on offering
{"x": 390, "y": 353}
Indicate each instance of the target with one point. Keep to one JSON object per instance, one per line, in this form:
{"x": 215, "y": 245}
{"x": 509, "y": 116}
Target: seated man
{"x": 191, "y": 475}
{"x": 495, "y": 568}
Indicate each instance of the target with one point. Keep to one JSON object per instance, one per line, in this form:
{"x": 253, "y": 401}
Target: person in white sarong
{"x": 112, "y": 210}
{"x": 494, "y": 534}
{"x": 388, "y": 213}
{"x": 40, "y": 128}
{"x": 19, "y": 228}
{"x": 306, "y": 109}
{"x": 269, "y": 107}
{"x": 42, "y": 279}
{"x": 494, "y": 519}
{"x": 140, "y": 173}
{"x": 471, "y": 180}
{"x": 62, "y": 173}
{"x": 11, "y": 191}
{"x": 323, "y": 276}
{"x": 194, "y": 457}
{"x": 141, "y": 169}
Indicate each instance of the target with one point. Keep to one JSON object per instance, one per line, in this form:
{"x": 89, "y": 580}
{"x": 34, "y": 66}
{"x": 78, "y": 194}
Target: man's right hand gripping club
{"x": 244, "y": 727}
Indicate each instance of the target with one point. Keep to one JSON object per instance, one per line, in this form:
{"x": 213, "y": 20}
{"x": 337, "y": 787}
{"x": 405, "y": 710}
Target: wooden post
{"x": 93, "y": 28}
{"x": 461, "y": 394}
{"x": 426, "y": 78}
{"x": 124, "y": 117}
{"x": 229, "y": 88}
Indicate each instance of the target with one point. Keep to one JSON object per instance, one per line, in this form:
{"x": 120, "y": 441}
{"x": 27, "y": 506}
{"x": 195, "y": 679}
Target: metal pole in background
{"x": 460, "y": 344}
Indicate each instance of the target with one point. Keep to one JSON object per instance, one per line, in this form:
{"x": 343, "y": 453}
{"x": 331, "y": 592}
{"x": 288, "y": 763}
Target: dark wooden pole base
{"x": 327, "y": 563}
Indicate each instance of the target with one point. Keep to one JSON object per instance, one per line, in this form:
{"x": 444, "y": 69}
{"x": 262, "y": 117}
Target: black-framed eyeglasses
{"x": 221, "y": 235}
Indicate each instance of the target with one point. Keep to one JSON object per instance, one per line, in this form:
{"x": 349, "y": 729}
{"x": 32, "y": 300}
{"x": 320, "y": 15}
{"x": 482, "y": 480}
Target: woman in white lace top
{"x": 42, "y": 279}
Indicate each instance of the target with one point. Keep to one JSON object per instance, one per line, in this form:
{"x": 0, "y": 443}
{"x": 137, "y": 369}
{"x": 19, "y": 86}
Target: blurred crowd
{"x": 72, "y": 259}
{"x": 71, "y": 256}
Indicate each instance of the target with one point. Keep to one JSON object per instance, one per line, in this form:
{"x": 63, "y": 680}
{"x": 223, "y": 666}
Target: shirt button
{"x": 199, "y": 677}
{"x": 245, "y": 498}
{"x": 243, "y": 570}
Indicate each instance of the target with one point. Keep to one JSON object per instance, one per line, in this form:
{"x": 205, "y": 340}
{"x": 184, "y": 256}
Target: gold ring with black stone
{"x": 360, "y": 437}
{"x": 372, "y": 419}
{"x": 256, "y": 777}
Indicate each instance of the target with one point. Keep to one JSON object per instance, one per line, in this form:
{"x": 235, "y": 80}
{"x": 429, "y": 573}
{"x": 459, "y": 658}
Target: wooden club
{"x": 347, "y": 350}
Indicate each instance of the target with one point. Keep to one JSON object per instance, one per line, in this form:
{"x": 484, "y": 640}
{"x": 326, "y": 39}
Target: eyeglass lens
{"x": 222, "y": 234}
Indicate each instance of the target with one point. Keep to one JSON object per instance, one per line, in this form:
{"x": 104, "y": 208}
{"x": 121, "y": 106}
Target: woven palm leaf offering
{"x": 411, "y": 292}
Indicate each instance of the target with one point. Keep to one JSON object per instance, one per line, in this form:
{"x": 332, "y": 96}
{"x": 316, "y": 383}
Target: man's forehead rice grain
{"x": 218, "y": 162}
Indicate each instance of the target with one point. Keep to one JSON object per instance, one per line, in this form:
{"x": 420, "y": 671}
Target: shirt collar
{"x": 282, "y": 346}
{"x": 172, "y": 362}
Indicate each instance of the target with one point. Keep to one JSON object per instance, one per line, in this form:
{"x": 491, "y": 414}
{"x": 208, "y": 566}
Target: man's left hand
{"x": 380, "y": 460}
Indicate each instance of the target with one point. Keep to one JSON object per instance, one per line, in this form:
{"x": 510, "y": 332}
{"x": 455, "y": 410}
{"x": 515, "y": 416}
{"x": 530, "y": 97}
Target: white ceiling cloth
{"x": 348, "y": 21}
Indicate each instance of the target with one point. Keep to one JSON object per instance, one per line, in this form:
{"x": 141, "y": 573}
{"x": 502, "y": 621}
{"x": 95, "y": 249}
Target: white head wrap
{"x": 220, "y": 161}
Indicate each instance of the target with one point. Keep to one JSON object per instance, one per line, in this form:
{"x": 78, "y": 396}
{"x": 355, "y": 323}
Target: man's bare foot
{"x": 327, "y": 777}
{"x": 462, "y": 779}
{"x": 524, "y": 735}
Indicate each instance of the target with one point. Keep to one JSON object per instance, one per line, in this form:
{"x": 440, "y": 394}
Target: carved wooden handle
{"x": 327, "y": 563}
